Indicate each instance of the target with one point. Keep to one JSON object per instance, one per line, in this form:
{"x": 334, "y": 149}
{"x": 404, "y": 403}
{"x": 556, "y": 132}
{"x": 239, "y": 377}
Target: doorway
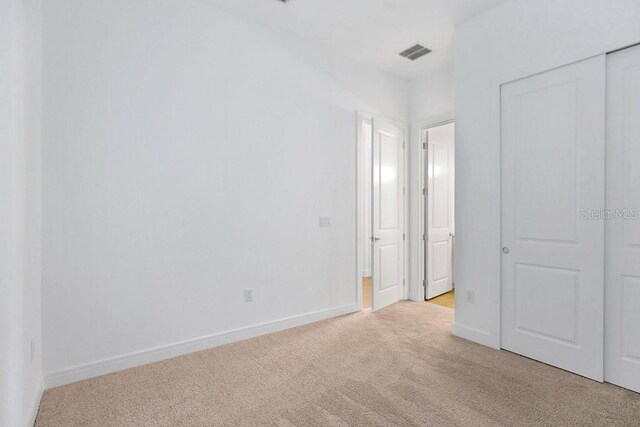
{"x": 381, "y": 261}
{"x": 438, "y": 220}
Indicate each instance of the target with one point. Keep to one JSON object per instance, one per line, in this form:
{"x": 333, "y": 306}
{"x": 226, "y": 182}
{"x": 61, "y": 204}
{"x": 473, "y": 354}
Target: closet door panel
{"x": 553, "y": 169}
{"x": 622, "y": 253}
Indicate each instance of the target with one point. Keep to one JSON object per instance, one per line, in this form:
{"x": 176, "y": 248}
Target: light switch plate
{"x": 325, "y": 221}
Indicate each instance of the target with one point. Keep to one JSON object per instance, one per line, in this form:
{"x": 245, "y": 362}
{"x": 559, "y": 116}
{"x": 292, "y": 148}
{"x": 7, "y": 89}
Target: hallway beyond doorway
{"x": 445, "y": 300}
{"x": 366, "y": 292}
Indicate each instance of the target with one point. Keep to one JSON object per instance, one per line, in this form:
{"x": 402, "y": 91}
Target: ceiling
{"x": 372, "y": 32}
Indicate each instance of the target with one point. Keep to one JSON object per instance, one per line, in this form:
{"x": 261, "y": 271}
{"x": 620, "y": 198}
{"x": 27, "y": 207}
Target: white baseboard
{"x": 476, "y": 336}
{"x": 36, "y": 406}
{"x": 118, "y": 363}
{"x": 366, "y": 273}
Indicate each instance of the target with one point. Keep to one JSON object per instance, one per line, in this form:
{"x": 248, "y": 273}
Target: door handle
{"x": 374, "y": 238}
{"x": 506, "y": 250}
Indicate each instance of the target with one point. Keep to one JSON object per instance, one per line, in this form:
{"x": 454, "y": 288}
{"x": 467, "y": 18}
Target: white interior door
{"x": 552, "y": 263}
{"x": 622, "y": 259}
{"x": 439, "y": 236}
{"x": 388, "y": 213}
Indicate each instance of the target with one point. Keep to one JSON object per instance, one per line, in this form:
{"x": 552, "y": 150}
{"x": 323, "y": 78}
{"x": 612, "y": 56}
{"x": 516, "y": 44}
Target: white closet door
{"x": 388, "y": 214}
{"x": 622, "y": 322}
{"x": 553, "y": 259}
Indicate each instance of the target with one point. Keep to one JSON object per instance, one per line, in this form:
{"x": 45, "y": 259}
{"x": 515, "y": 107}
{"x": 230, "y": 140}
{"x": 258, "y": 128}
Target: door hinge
{"x": 402, "y": 236}
{"x": 403, "y": 191}
{"x": 424, "y": 191}
{"x": 424, "y": 145}
{"x": 403, "y": 143}
{"x": 424, "y": 237}
{"x": 403, "y": 283}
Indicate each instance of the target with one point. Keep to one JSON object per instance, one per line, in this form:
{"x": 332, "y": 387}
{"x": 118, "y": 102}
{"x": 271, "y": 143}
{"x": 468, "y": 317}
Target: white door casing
{"x": 553, "y": 132}
{"x": 439, "y": 209}
{"x": 367, "y": 132}
{"x": 622, "y": 249}
{"x": 388, "y": 213}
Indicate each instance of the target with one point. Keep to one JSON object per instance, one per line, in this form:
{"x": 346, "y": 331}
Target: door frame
{"x": 360, "y": 155}
{"x": 420, "y": 226}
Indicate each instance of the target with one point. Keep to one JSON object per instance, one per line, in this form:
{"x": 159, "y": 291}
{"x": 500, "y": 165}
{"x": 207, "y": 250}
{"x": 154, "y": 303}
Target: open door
{"x": 388, "y": 213}
{"x": 439, "y": 209}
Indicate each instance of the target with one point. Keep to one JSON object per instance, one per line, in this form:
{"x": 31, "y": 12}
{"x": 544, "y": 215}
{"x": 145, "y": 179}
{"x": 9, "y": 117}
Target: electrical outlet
{"x": 248, "y": 295}
{"x": 325, "y": 221}
{"x": 471, "y": 297}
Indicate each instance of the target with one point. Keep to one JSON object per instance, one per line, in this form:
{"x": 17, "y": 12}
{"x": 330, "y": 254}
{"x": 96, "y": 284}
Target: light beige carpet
{"x": 397, "y": 367}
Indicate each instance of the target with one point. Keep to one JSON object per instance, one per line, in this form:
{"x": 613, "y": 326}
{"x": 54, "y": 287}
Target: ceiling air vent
{"x": 415, "y": 52}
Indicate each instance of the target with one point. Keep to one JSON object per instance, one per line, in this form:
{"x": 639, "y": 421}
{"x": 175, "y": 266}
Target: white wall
{"x": 20, "y": 376}
{"x": 516, "y": 39}
{"x": 187, "y": 155}
{"x": 431, "y": 100}
{"x": 431, "y": 97}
